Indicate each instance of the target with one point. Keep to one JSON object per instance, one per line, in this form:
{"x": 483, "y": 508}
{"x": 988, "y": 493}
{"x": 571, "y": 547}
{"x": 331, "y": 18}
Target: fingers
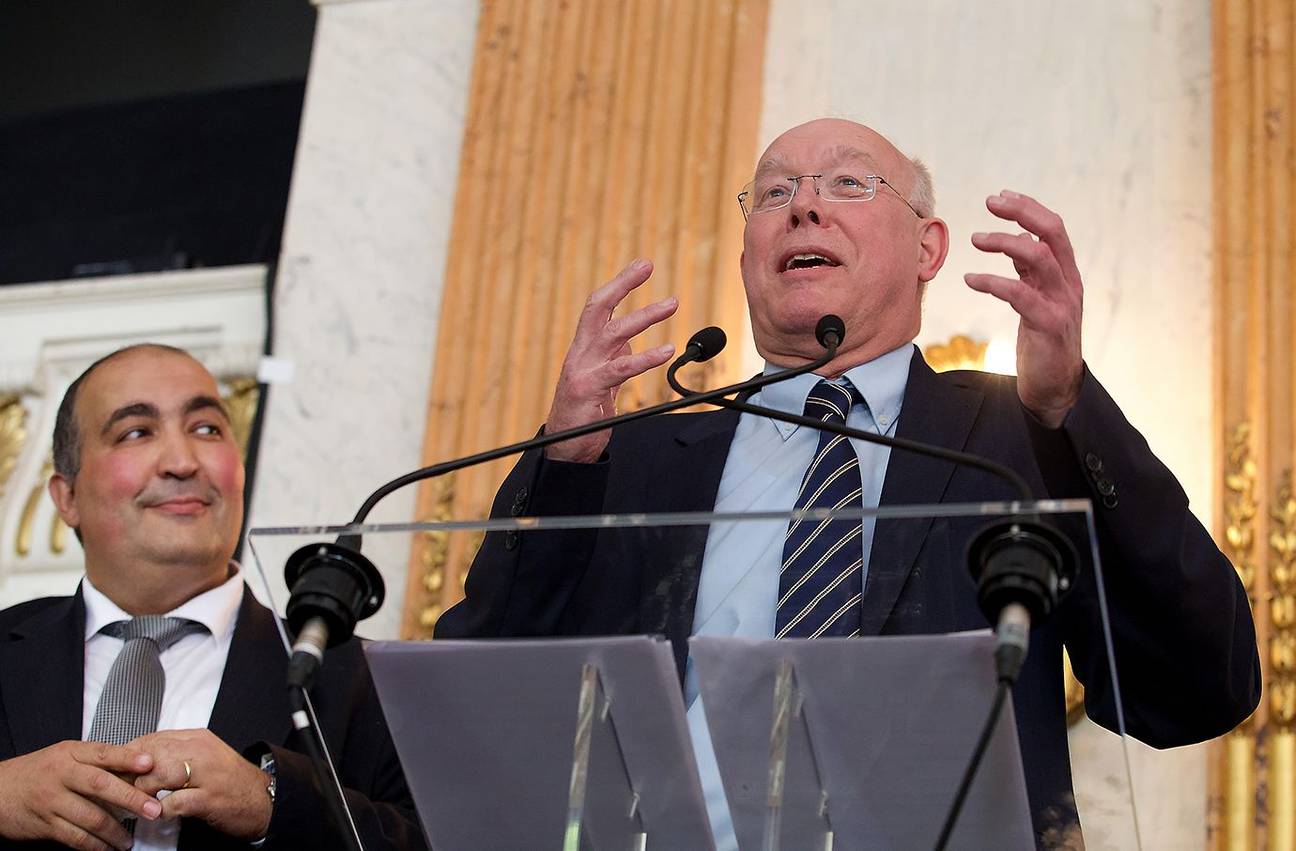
{"x": 100, "y": 785}
{"x": 1025, "y": 300}
{"x": 66, "y": 833}
{"x": 619, "y": 331}
{"x": 1043, "y": 223}
{"x": 182, "y": 803}
{"x": 122, "y": 759}
{"x": 88, "y": 826}
{"x": 603, "y": 301}
{"x": 620, "y": 370}
{"x": 1030, "y": 257}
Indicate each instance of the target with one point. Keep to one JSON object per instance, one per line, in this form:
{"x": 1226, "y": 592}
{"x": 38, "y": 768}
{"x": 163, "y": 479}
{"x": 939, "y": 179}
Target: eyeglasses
{"x": 767, "y": 194}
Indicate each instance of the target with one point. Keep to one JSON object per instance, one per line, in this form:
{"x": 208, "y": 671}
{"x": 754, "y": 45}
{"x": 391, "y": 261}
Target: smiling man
{"x": 839, "y": 221}
{"x": 156, "y": 692}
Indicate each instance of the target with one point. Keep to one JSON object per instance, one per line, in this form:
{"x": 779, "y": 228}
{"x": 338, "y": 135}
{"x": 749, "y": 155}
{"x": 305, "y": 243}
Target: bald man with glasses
{"x": 838, "y": 221}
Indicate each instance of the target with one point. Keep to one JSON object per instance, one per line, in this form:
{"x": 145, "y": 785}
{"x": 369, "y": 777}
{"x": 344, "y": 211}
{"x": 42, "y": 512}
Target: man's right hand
{"x": 600, "y": 361}
{"x": 70, "y": 793}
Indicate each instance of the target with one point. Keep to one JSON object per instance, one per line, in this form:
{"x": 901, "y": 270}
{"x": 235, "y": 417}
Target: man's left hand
{"x": 224, "y": 789}
{"x": 1049, "y": 298}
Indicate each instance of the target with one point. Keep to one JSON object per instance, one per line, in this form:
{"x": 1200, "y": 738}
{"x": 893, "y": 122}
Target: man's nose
{"x": 178, "y": 458}
{"x": 805, "y": 203}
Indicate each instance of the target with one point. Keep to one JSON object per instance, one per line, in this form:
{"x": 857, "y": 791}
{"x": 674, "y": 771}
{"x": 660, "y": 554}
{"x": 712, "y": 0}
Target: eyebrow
{"x": 777, "y": 163}
{"x": 150, "y": 411}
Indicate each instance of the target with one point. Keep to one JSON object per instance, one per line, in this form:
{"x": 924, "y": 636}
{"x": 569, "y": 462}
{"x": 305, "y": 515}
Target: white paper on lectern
{"x": 485, "y": 729}
{"x": 893, "y": 721}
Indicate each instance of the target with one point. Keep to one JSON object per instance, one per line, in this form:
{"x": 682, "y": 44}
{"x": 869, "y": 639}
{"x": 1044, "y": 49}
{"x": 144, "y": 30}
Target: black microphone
{"x": 1022, "y": 568}
{"x": 702, "y": 346}
{"x": 333, "y": 586}
{"x": 830, "y": 331}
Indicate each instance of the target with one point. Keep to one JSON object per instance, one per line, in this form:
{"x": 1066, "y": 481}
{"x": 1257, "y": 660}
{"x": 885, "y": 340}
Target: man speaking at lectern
{"x": 164, "y": 636}
{"x": 839, "y": 221}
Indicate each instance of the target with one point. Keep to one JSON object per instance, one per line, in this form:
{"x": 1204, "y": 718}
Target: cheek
{"x": 225, "y": 468}
{"x": 106, "y": 488}
{"x": 116, "y": 478}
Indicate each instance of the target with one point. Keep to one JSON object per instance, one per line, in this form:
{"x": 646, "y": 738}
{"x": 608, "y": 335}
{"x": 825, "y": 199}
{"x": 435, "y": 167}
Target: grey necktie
{"x": 132, "y": 695}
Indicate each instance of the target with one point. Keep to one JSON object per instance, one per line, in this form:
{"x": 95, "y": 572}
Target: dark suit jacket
{"x": 1182, "y": 629}
{"x": 42, "y": 659}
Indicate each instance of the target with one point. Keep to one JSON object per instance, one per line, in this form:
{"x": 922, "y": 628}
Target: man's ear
{"x": 933, "y": 246}
{"x": 63, "y": 493}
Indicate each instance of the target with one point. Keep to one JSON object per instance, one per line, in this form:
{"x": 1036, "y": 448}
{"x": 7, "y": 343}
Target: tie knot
{"x": 829, "y": 401}
{"x": 162, "y": 631}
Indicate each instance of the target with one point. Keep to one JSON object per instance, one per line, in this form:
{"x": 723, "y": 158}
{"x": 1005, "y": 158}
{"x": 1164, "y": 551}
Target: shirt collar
{"x": 881, "y": 382}
{"x": 215, "y": 608}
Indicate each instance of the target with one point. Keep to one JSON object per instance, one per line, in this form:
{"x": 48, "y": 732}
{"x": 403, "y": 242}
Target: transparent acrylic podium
{"x": 582, "y": 742}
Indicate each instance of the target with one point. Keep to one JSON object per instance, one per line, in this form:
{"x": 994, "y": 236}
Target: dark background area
{"x": 139, "y": 135}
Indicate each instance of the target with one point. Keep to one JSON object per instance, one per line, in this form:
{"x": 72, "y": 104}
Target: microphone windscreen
{"x": 830, "y": 324}
{"x": 709, "y": 342}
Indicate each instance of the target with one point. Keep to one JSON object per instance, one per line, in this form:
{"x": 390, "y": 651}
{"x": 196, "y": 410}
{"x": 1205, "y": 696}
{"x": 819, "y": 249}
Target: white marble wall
{"x": 1102, "y": 111}
{"x": 360, "y": 277}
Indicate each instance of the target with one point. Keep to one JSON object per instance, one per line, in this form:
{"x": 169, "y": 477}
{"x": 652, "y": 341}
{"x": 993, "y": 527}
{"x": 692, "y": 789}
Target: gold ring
{"x": 188, "y": 774}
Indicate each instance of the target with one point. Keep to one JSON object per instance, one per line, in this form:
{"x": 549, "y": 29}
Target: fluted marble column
{"x": 358, "y": 295}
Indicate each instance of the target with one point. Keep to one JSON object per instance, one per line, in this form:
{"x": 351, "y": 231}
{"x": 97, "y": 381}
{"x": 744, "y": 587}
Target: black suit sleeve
{"x": 1185, "y": 647}
{"x": 520, "y": 583}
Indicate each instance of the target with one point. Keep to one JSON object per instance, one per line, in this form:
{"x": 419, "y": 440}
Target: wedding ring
{"x": 188, "y": 774}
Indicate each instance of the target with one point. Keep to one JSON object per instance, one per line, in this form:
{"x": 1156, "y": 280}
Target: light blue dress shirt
{"x": 738, "y": 588}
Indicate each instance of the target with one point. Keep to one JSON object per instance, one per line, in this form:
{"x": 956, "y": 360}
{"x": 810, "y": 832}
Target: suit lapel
{"x": 42, "y": 665}
{"x": 937, "y": 412}
{"x": 686, "y": 482}
{"x": 252, "y": 703}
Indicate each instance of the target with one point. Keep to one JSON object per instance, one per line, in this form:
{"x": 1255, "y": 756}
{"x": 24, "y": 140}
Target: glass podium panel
{"x": 818, "y": 743}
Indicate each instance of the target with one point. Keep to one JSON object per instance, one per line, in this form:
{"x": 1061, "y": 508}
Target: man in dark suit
{"x": 149, "y": 476}
{"x": 839, "y": 221}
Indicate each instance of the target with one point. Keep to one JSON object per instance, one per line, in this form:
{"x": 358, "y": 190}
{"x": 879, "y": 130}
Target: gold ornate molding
{"x": 441, "y": 558}
{"x": 1240, "y": 505}
{"x": 13, "y": 433}
{"x": 1282, "y": 608}
{"x": 961, "y": 352}
{"x": 241, "y": 402}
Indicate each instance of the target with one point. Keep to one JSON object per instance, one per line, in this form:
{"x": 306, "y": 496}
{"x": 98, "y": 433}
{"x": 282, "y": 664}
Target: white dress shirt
{"x": 193, "y": 667}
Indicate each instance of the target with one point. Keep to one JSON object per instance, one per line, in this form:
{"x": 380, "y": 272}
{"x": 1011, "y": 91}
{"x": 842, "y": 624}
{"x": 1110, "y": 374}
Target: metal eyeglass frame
{"x": 796, "y": 184}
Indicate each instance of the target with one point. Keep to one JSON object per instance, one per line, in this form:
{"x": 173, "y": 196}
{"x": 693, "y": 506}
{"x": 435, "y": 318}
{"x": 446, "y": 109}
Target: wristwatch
{"x": 272, "y": 779}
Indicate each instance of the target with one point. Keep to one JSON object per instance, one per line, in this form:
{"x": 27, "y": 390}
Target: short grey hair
{"x": 923, "y": 196}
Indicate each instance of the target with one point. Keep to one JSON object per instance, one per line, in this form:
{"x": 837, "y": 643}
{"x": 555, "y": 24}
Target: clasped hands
{"x": 1047, "y": 295}
{"x": 76, "y": 793}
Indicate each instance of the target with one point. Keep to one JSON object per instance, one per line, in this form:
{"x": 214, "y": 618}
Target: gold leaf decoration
{"x": 241, "y": 402}
{"x": 1282, "y": 607}
{"x": 13, "y": 433}
{"x": 961, "y": 352}
{"x": 1240, "y": 505}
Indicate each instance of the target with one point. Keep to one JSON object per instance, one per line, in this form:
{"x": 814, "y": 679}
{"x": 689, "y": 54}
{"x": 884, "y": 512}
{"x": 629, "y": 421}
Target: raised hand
{"x": 1049, "y": 298}
{"x": 600, "y": 360}
{"x": 74, "y": 793}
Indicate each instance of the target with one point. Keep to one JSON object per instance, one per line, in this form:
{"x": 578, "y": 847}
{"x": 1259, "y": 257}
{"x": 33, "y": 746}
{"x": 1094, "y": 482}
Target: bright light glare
{"x": 1001, "y": 356}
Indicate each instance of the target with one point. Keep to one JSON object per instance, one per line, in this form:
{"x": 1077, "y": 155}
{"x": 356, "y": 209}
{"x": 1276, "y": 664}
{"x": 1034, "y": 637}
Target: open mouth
{"x": 808, "y": 260}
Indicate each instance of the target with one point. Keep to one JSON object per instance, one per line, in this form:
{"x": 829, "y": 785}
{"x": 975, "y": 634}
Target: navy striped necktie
{"x": 821, "y": 580}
